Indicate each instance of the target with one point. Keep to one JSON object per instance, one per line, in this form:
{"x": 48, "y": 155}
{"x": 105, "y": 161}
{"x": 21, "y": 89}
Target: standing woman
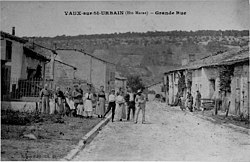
{"x": 120, "y": 106}
{"x": 88, "y": 106}
{"x": 100, "y": 109}
{"x": 59, "y": 97}
{"x": 77, "y": 96}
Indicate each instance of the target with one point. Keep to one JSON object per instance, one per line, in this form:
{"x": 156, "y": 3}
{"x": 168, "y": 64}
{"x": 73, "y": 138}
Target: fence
{"x": 17, "y": 89}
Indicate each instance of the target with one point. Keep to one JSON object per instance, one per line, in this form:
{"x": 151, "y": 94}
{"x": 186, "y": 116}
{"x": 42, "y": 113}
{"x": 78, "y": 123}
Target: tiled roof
{"x": 227, "y": 58}
{"x": 160, "y": 82}
{"x": 83, "y": 52}
{"x": 13, "y": 37}
{"x": 34, "y": 54}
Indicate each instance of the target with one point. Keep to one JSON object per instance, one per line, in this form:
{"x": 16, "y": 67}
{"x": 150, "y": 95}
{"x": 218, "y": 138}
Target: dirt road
{"x": 170, "y": 134}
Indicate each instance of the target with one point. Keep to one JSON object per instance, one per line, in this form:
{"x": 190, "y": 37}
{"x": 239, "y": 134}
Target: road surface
{"x": 170, "y": 134}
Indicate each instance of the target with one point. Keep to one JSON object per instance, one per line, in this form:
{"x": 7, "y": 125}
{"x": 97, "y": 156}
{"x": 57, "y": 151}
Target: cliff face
{"x": 147, "y": 55}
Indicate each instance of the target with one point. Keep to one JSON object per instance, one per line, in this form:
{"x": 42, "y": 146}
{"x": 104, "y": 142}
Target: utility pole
{"x": 90, "y": 74}
{"x": 53, "y": 55}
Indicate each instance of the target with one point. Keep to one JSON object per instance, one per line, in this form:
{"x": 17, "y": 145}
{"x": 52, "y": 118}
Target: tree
{"x": 135, "y": 83}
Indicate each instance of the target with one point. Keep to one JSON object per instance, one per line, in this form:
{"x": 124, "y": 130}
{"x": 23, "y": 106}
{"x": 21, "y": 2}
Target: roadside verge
{"x": 86, "y": 139}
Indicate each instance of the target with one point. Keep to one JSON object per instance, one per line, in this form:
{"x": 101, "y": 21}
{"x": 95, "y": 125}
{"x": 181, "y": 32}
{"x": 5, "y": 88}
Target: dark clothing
{"x": 111, "y": 106}
{"x": 131, "y": 106}
{"x": 77, "y": 95}
{"x": 190, "y": 102}
{"x": 126, "y": 98}
{"x": 102, "y": 95}
{"x": 60, "y": 94}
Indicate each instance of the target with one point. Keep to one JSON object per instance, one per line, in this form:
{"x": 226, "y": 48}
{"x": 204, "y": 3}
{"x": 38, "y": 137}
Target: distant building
{"x": 94, "y": 70}
{"x": 64, "y": 74}
{"x": 153, "y": 89}
{"x": 203, "y": 75}
{"x": 120, "y": 82}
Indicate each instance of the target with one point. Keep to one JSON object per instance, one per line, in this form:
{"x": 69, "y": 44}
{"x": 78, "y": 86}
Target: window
{"x": 237, "y": 83}
{"x": 212, "y": 84}
{"x": 8, "y": 50}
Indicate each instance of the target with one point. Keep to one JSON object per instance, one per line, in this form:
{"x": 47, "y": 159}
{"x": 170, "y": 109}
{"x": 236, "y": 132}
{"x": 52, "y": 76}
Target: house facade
{"x": 93, "y": 70}
{"x": 172, "y": 83}
{"x": 64, "y": 75}
{"x": 204, "y": 75}
{"x": 19, "y": 63}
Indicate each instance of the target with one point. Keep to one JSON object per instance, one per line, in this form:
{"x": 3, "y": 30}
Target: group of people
{"x": 78, "y": 104}
{"x": 73, "y": 102}
{"x": 190, "y": 103}
{"x": 123, "y": 104}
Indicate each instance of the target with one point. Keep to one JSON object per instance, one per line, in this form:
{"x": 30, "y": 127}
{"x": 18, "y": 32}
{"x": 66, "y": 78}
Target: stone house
{"x": 19, "y": 63}
{"x": 120, "y": 82}
{"x": 64, "y": 75}
{"x": 203, "y": 75}
{"x": 96, "y": 71}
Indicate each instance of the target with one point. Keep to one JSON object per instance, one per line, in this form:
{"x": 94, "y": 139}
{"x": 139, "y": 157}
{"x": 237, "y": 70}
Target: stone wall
{"x": 63, "y": 76}
{"x": 240, "y": 90}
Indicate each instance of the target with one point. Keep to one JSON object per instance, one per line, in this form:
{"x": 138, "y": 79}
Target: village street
{"x": 170, "y": 134}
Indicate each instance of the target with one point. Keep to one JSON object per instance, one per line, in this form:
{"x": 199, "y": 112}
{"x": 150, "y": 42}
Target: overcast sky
{"x": 48, "y": 18}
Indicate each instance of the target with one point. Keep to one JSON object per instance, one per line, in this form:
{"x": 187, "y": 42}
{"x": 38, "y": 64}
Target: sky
{"x": 48, "y": 18}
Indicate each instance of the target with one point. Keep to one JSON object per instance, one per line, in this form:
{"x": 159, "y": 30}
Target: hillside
{"x": 150, "y": 54}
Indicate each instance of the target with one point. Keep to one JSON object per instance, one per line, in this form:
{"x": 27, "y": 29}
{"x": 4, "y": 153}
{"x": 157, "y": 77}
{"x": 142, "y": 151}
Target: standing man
{"x": 131, "y": 103}
{"x": 111, "y": 104}
{"x": 217, "y": 101}
{"x": 140, "y": 102}
{"x": 44, "y": 95}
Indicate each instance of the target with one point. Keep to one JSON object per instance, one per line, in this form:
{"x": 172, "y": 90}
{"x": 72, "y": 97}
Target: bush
{"x": 135, "y": 83}
{"x": 14, "y": 118}
{"x": 11, "y": 117}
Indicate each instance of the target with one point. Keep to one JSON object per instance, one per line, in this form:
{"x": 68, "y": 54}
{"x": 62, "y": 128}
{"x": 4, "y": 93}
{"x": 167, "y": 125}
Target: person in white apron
{"x": 88, "y": 107}
{"x": 69, "y": 102}
{"x": 120, "y": 107}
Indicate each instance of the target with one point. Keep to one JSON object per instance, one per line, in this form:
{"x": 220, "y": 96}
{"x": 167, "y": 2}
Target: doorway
{"x": 211, "y": 87}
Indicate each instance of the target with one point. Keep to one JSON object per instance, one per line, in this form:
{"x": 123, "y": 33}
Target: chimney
{"x": 13, "y": 30}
